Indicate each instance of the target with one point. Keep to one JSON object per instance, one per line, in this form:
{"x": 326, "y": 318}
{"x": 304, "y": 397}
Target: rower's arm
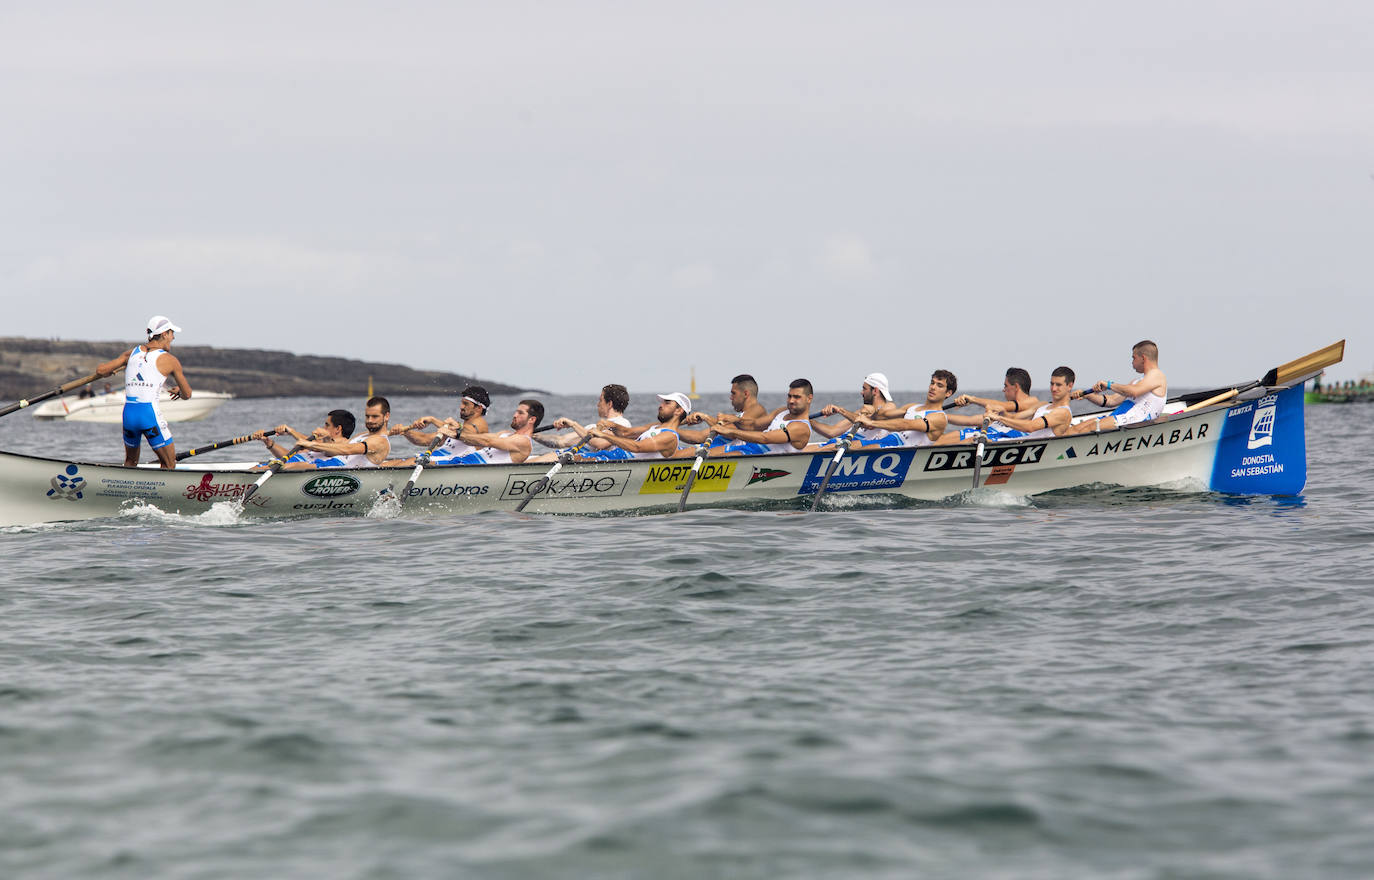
{"x": 935, "y": 423}
{"x": 798, "y": 434}
{"x": 109, "y": 368}
{"x": 661, "y": 443}
{"x": 831, "y": 431}
{"x": 170, "y": 366}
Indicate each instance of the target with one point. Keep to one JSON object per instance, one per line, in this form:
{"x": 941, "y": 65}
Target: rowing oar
{"x": 702, "y": 448}
{"x": 846, "y": 440}
{"x": 978, "y": 456}
{"x": 564, "y": 456}
{"x": 222, "y": 444}
{"x": 56, "y": 392}
{"x": 273, "y": 468}
{"x": 420, "y": 461}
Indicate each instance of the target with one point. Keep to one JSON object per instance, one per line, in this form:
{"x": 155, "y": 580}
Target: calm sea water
{"x": 1130, "y": 684}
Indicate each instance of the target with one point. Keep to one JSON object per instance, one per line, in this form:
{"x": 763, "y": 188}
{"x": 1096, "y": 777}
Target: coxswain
{"x": 146, "y": 368}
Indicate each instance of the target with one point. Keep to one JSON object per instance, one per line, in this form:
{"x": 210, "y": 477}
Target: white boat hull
{"x": 1253, "y": 445}
{"x": 108, "y": 409}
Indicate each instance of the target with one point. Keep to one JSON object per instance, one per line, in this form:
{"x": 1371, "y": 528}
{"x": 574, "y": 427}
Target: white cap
{"x": 160, "y": 324}
{"x": 680, "y": 399}
{"x": 879, "y": 381}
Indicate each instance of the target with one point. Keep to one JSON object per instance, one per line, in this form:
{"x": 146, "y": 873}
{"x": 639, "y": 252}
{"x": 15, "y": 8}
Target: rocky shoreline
{"x": 32, "y": 366}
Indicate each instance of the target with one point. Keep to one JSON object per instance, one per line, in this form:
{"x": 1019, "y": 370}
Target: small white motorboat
{"x": 109, "y": 408}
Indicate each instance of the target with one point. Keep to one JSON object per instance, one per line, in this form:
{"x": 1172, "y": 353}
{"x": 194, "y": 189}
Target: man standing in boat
{"x": 146, "y": 370}
{"x": 1146, "y": 396}
{"x": 368, "y": 449}
{"x": 507, "y": 447}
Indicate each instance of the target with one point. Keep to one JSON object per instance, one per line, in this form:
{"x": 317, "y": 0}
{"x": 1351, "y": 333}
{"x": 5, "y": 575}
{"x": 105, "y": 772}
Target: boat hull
{"x": 108, "y": 409}
{"x": 1249, "y": 446}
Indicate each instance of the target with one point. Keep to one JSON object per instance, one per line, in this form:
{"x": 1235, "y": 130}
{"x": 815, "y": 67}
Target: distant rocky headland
{"x": 32, "y": 366}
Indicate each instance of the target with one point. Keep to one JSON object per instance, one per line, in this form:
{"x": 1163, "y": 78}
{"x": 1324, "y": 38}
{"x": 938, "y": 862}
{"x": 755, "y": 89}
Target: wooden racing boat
{"x": 1244, "y": 439}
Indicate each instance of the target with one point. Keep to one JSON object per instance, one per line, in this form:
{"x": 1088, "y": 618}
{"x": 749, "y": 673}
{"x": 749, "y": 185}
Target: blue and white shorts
{"x": 144, "y": 420}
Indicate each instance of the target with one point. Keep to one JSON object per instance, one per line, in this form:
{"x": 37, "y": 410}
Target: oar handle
{"x": 1214, "y": 399}
{"x": 222, "y": 444}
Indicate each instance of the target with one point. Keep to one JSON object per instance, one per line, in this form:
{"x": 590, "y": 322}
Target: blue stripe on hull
{"x": 1263, "y": 447}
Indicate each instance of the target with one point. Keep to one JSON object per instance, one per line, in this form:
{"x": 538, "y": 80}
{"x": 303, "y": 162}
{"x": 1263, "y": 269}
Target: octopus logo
{"x": 68, "y": 485}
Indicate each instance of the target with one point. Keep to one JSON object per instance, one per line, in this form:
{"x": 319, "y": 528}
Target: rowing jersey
{"x": 142, "y": 416}
{"x": 654, "y": 432}
{"x": 1144, "y": 408}
{"x": 1043, "y": 412}
{"x": 914, "y": 437}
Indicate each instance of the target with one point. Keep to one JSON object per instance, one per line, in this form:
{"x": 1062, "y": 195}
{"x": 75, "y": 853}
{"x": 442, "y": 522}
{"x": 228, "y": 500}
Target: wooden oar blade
{"x": 1309, "y": 363}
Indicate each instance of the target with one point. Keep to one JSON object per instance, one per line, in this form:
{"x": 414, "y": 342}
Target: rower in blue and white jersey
{"x": 657, "y": 441}
{"x": 507, "y": 447}
{"x": 748, "y": 414}
{"x": 610, "y": 409}
{"x": 788, "y": 431}
{"x": 1017, "y": 400}
{"x": 1146, "y": 396}
{"x": 921, "y": 424}
{"x": 1052, "y": 419}
{"x": 367, "y": 449}
{"x": 877, "y": 402}
{"x": 472, "y": 410}
{"x": 338, "y": 425}
{"x": 146, "y": 368}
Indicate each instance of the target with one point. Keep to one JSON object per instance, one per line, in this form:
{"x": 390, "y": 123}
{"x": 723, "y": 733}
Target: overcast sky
{"x": 560, "y": 195}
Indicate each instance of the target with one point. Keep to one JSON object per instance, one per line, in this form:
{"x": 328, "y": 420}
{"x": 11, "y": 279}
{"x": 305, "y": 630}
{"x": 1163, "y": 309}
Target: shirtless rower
{"x": 338, "y": 425}
{"x": 610, "y": 407}
{"x": 506, "y": 447}
{"x": 1053, "y": 419}
{"x": 1015, "y": 391}
{"x": 368, "y": 449}
{"x": 1147, "y": 396}
{"x": 749, "y": 413}
{"x": 147, "y": 367}
{"x": 921, "y": 424}
{"x": 789, "y": 430}
{"x": 472, "y": 410}
{"x": 877, "y": 401}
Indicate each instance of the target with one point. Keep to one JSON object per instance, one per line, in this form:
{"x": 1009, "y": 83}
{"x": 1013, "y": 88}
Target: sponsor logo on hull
{"x": 596, "y": 484}
{"x": 668, "y": 479}
{"x": 763, "y": 475}
{"x": 1263, "y": 447}
{"x": 331, "y": 486}
{"x": 208, "y": 490}
{"x": 448, "y": 490}
{"x": 68, "y": 485}
{"x": 859, "y": 471}
{"x": 993, "y": 456}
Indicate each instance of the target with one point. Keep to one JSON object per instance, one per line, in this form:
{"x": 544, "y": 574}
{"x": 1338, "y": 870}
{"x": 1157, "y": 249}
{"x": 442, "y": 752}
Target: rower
{"x": 657, "y": 441}
{"x": 1141, "y": 401}
{"x": 788, "y": 431}
{"x": 1017, "y": 399}
{"x": 472, "y": 410}
{"x": 146, "y": 368}
{"x": 877, "y": 400}
{"x": 338, "y": 425}
{"x": 748, "y": 413}
{"x": 1052, "y": 419}
{"x": 507, "y": 447}
{"x": 610, "y": 407}
{"x": 921, "y": 424}
{"x": 368, "y": 449}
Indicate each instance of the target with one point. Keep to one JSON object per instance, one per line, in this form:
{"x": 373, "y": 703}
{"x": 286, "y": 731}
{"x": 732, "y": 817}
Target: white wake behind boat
{"x": 109, "y": 408}
{"x": 1247, "y": 439}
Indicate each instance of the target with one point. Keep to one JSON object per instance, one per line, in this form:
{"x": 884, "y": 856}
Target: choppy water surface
{"x": 1136, "y": 684}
